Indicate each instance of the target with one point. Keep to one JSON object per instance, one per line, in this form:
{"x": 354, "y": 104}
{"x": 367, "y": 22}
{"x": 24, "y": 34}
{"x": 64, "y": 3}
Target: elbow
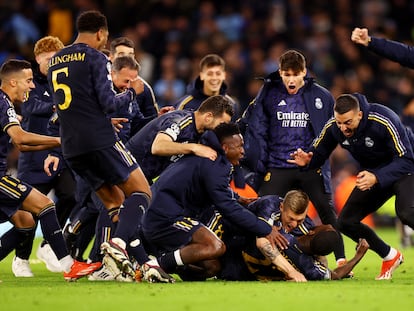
{"x": 155, "y": 149}
{"x": 20, "y": 146}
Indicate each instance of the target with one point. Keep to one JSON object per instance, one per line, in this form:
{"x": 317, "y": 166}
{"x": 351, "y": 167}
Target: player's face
{"x": 122, "y": 50}
{"x": 213, "y": 78}
{"x": 348, "y": 122}
{"x": 233, "y": 148}
{"x": 291, "y": 220}
{"x": 23, "y": 85}
{"x": 122, "y": 79}
{"x": 43, "y": 60}
{"x": 293, "y": 81}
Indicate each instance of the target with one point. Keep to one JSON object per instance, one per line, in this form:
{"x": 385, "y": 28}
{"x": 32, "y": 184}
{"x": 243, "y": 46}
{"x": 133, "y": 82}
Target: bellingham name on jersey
{"x": 79, "y": 57}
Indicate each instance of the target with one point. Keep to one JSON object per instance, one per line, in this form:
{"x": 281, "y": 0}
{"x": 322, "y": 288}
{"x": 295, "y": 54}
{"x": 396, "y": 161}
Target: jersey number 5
{"x": 61, "y": 86}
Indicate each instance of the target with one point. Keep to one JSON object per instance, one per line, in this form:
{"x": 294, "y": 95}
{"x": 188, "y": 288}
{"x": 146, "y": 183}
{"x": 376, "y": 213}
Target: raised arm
{"x": 360, "y": 36}
{"x": 342, "y": 271}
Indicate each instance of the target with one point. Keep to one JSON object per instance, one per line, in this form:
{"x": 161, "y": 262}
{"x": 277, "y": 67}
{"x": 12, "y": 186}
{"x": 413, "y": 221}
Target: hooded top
{"x": 258, "y": 123}
{"x": 381, "y": 143}
{"x": 196, "y": 96}
{"x": 193, "y": 184}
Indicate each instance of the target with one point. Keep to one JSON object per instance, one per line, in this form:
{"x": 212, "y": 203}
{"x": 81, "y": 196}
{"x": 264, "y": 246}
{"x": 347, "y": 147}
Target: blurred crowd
{"x": 172, "y": 36}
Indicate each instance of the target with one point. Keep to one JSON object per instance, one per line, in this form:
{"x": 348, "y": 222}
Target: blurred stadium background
{"x": 171, "y": 37}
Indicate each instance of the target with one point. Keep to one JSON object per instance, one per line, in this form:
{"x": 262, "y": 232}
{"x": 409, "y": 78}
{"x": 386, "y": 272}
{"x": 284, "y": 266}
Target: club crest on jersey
{"x": 12, "y": 115}
{"x": 22, "y": 188}
{"x": 369, "y": 142}
{"x": 173, "y": 130}
{"x": 267, "y": 176}
{"x": 318, "y": 103}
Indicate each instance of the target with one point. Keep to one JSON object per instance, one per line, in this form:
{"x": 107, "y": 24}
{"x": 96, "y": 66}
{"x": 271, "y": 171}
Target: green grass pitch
{"x": 48, "y": 291}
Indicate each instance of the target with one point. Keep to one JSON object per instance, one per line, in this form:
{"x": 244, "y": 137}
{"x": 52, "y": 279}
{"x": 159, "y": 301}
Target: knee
{"x": 218, "y": 248}
{"x": 342, "y": 224}
{"x": 406, "y": 216}
{"x": 22, "y": 220}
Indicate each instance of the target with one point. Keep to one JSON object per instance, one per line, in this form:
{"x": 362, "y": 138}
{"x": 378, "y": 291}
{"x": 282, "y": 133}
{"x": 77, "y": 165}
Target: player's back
{"x": 179, "y": 125}
{"x": 83, "y": 94}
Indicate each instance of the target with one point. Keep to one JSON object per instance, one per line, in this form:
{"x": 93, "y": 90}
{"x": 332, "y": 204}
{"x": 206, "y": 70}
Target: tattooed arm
{"x": 278, "y": 260}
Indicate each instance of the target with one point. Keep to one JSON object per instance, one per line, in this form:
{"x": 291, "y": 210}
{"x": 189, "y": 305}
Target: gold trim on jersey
{"x": 391, "y": 129}
{"x": 184, "y": 102}
{"x": 322, "y": 134}
{"x": 125, "y": 153}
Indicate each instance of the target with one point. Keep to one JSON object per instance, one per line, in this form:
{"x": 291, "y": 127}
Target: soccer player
{"x": 289, "y": 112}
{"x": 183, "y": 191}
{"x": 306, "y": 253}
{"x": 165, "y": 139}
{"x": 84, "y": 97}
{"x": 376, "y": 138}
{"x": 18, "y": 199}
{"x": 300, "y": 241}
{"x": 146, "y": 101}
{"x": 210, "y": 82}
{"x": 36, "y": 112}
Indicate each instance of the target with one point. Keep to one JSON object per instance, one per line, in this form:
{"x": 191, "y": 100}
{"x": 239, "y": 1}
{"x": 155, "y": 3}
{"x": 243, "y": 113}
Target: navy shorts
{"x": 13, "y": 192}
{"x": 173, "y": 236}
{"x": 111, "y": 165}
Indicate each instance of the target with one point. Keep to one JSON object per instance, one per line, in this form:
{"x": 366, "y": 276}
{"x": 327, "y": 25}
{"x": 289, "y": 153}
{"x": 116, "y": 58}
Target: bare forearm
{"x": 168, "y": 148}
{"x": 35, "y": 142}
{"x": 342, "y": 271}
{"x": 274, "y": 256}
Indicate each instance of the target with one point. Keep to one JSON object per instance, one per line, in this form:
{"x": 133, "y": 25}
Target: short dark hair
{"x": 296, "y": 200}
{"x": 345, "y": 103}
{"x": 324, "y": 242}
{"x": 225, "y": 130}
{"x": 121, "y": 41}
{"x": 91, "y": 22}
{"x": 211, "y": 60}
{"x": 125, "y": 62}
{"x": 12, "y": 66}
{"x": 217, "y": 105}
{"x": 292, "y": 60}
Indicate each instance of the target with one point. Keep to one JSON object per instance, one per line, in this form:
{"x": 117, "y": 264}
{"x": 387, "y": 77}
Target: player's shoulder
{"x": 78, "y": 52}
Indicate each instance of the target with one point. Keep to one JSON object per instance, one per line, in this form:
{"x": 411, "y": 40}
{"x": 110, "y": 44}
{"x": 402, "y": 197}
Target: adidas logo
{"x": 345, "y": 142}
{"x": 282, "y": 103}
{"x": 103, "y": 275}
{"x": 46, "y": 94}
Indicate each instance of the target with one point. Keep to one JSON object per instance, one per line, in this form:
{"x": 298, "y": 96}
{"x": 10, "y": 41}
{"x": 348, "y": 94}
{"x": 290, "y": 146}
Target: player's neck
{"x": 197, "y": 121}
{"x": 6, "y": 90}
{"x": 88, "y": 39}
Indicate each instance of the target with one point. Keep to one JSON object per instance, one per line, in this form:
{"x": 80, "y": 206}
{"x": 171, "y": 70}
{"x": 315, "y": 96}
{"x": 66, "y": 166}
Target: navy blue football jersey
{"x": 7, "y": 118}
{"x": 83, "y": 93}
{"x": 179, "y": 125}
